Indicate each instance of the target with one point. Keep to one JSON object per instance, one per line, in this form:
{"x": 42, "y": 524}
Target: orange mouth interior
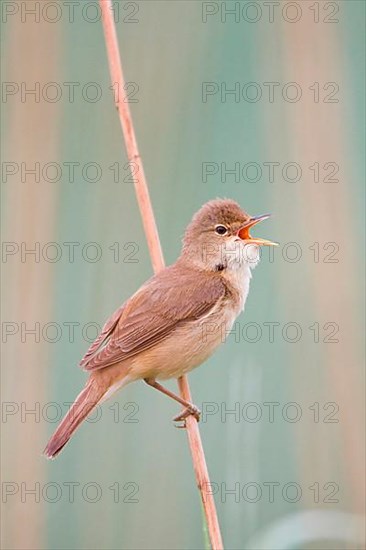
{"x": 244, "y": 234}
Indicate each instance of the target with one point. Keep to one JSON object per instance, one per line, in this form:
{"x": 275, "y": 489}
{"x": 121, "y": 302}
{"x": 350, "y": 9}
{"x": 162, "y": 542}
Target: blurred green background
{"x": 126, "y": 478}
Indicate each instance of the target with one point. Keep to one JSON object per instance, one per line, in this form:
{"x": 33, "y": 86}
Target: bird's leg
{"x": 190, "y": 408}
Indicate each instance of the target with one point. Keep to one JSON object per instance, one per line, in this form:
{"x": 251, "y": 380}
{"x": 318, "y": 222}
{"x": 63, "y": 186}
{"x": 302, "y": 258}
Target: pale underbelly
{"x": 187, "y": 348}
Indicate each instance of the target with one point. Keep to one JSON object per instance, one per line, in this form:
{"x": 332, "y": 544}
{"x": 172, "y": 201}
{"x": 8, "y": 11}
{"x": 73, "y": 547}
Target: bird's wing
{"x": 170, "y": 299}
{"x": 104, "y": 336}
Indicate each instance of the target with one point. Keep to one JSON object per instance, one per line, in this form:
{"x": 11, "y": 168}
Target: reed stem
{"x": 153, "y": 241}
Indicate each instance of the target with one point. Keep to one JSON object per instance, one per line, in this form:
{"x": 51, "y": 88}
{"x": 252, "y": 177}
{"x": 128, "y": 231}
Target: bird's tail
{"x": 83, "y": 405}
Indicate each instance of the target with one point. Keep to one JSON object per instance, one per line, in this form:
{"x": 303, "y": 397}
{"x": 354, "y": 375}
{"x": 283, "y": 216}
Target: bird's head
{"x": 218, "y": 237}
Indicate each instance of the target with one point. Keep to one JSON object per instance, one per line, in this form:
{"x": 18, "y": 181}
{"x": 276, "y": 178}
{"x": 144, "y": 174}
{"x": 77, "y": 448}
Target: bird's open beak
{"x": 244, "y": 234}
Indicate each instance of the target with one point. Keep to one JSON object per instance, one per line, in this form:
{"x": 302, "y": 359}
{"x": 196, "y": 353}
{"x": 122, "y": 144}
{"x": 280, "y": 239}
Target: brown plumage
{"x": 176, "y": 319}
{"x": 153, "y": 313}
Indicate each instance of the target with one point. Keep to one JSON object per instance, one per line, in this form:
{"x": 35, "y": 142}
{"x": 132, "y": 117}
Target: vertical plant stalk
{"x": 153, "y": 241}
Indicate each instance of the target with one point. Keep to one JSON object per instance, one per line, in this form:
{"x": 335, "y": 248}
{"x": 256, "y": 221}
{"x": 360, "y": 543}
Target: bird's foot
{"x": 188, "y": 411}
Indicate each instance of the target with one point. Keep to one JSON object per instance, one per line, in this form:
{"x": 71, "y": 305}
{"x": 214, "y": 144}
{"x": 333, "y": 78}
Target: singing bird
{"x": 176, "y": 320}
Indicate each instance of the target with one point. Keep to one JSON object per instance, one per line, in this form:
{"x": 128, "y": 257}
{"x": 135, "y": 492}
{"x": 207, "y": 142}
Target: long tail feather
{"x": 83, "y": 405}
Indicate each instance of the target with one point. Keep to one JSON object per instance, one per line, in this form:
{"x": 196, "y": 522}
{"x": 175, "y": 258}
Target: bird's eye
{"x": 221, "y": 229}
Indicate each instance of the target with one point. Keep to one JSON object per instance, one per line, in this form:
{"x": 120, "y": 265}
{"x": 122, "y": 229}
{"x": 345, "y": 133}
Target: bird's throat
{"x": 238, "y": 281}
